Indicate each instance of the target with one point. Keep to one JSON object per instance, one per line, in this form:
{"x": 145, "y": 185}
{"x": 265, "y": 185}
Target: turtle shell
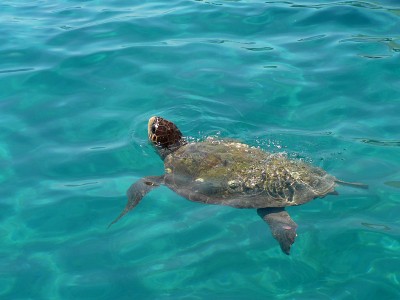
{"x": 235, "y": 174}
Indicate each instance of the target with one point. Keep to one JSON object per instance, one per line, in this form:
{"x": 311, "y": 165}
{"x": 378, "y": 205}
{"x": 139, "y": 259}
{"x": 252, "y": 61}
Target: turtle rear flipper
{"x": 283, "y": 228}
{"x": 137, "y": 191}
{"x": 353, "y": 184}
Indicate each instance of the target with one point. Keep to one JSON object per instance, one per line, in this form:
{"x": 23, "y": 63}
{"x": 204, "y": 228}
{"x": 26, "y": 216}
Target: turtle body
{"x": 226, "y": 172}
{"x": 234, "y": 174}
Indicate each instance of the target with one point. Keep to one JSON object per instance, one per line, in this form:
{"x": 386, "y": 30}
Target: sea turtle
{"x": 227, "y": 172}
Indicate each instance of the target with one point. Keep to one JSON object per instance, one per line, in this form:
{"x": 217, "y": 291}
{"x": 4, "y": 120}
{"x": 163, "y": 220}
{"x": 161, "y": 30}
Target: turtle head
{"x": 164, "y": 136}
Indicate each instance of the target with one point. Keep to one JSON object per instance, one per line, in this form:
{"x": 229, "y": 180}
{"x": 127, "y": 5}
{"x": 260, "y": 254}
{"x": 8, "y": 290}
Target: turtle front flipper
{"x": 137, "y": 191}
{"x": 283, "y": 228}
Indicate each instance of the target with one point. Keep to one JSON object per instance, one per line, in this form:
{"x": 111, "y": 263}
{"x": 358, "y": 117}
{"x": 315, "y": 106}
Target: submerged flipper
{"x": 353, "y": 184}
{"x": 137, "y": 191}
{"x": 283, "y": 228}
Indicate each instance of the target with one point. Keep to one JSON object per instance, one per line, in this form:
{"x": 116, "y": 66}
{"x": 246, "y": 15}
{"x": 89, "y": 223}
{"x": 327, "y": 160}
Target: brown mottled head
{"x": 164, "y": 135}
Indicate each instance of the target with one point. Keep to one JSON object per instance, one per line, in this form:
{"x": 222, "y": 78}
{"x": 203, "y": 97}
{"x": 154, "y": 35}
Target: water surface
{"x": 78, "y": 81}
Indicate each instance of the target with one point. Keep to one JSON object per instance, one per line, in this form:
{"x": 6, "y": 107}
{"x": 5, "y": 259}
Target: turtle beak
{"x": 152, "y": 128}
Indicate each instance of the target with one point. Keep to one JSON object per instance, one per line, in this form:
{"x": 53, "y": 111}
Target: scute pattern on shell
{"x": 236, "y": 174}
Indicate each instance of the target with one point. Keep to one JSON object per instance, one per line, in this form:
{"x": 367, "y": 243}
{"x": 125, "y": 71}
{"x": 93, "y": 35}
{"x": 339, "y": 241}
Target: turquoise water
{"x": 78, "y": 81}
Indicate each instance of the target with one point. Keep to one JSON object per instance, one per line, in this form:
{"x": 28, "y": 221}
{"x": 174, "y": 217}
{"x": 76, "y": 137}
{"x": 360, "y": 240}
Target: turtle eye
{"x": 153, "y": 129}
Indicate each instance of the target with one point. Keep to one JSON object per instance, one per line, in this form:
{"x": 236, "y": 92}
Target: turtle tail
{"x": 353, "y": 184}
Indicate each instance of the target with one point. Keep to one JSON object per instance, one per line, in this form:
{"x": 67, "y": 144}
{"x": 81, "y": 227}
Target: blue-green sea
{"x": 319, "y": 80}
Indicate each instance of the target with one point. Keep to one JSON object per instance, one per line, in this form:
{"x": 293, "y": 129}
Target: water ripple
{"x": 380, "y": 142}
{"x": 17, "y": 70}
{"x": 79, "y": 80}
